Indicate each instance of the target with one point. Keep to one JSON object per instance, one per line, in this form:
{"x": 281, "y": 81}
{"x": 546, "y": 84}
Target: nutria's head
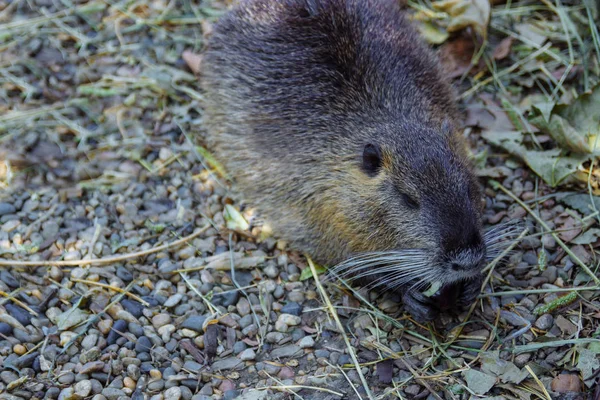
{"x": 413, "y": 206}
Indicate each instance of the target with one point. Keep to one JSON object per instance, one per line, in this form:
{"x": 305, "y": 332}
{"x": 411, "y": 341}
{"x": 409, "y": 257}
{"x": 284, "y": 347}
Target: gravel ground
{"x": 129, "y": 270}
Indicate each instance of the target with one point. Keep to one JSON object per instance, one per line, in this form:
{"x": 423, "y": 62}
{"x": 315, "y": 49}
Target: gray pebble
{"x": 194, "y": 323}
{"x": 124, "y": 274}
{"x": 119, "y": 326}
{"x": 143, "y": 345}
{"x": 247, "y": 355}
{"x": 9, "y": 279}
{"x": 289, "y": 350}
{"x": 226, "y": 299}
{"x": 292, "y": 308}
{"x": 238, "y": 347}
{"x": 20, "y": 314}
{"x": 271, "y": 271}
{"x": 173, "y": 393}
{"x": 279, "y": 292}
{"x": 83, "y": 388}
{"x": 245, "y": 321}
{"x": 7, "y": 208}
{"x": 186, "y": 393}
{"x": 544, "y": 322}
{"x": 136, "y": 329}
{"x": 192, "y": 366}
{"x": 112, "y": 393}
{"x": 8, "y": 376}
{"x": 307, "y": 342}
{"x": 321, "y": 353}
{"x": 156, "y": 385}
{"x": 173, "y": 300}
{"x": 133, "y": 371}
{"x": 226, "y": 363}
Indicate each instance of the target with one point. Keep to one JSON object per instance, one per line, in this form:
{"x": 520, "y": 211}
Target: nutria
{"x": 336, "y": 122}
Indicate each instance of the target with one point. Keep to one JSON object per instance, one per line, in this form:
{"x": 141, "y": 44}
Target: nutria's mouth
{"x": 416, "y": 269}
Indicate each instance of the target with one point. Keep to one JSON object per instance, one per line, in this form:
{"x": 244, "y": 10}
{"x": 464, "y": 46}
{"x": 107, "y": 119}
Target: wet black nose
{"x": 464, "y": 251}
{"x": 467, "y": 260}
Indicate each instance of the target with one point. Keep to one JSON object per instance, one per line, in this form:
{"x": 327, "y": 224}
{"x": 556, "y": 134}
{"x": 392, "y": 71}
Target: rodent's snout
{"x": 466, "y": 262}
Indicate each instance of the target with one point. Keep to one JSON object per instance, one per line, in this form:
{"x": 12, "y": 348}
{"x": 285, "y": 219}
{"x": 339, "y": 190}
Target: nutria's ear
{"x": 371, "y": 159}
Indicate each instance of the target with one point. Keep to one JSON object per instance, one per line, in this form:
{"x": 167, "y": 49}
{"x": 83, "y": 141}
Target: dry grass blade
{"x": 538, "y": 382}
{"x": 336, "y": 318}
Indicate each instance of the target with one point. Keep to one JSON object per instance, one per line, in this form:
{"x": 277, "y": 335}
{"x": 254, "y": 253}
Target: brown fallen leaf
{"x": 192, "y": 60}
{"x": 456, "y": 56}
{"x": 503, "y": 49}
{"x": 566, "y": 383}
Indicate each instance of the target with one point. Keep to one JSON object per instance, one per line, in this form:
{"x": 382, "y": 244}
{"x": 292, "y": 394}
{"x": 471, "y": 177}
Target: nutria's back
{"x": 335, "y": 121}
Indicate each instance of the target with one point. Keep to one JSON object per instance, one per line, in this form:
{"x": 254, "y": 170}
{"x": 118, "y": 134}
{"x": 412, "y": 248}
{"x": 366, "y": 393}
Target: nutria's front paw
{"x": 419, "y": 306}
{"x": 469, "y": 292}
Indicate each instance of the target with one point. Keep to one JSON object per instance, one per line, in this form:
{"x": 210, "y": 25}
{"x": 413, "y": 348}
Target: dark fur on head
{"x": 335, "y": 120}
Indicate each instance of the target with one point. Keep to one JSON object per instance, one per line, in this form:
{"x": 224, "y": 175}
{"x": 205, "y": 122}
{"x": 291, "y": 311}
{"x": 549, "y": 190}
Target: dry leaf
{"x": 503, "y": 49}
{"x": 192, "y": 60}
{"x": 466, "y": 13}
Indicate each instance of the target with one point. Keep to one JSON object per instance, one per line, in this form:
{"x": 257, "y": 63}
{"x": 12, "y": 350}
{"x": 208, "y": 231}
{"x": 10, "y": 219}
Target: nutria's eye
{"x": 371, "y": 159}
{"x": 409, "y": 201}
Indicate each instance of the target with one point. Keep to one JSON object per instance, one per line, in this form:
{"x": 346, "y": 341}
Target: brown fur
{"x": 295, "y": 89}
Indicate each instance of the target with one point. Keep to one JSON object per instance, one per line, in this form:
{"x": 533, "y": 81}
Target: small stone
{"x": 156, "y": 385}
{"x": 104, "y": 326}
{"x": 67, "y": 394}
{"x": 274, "y": 337}
{"x": 5, "y": 329}
{"x": 296, "y": 296}
{"x": 124, "y": 274}
{"x": 243, "y": 306}
{"x": 271, "y": 271}
{"x": 238, "y": 347}
{"x": 289, "y": 319}
{"x": 92, "y": 366}
{"x": 160, "y": 320}
{"x": 226, "y": 363}
{"x": 194, "y": 323}
{"x": 306, "y": 342}
{"x": 206, "y": 390}
{"x": 292, "y": 308}
{"x": 289, "y": 350}
{"x": 133, "y": 372}
{"x": 119, "y": 327}
{"x": 19, "y": 349}
{"x": 281, "y": 326}
{"x": 173, "y": 300}
{"x": 112, "y": 393}
{"x": 83, "y": 388}
{"x": 544, "y": 322}
{"x": 135, "y": 308}
{"x": 143, "y": 345}
{"x": 226, "y": 299}
{"x": 173, "y": 393}
{"x": 286, "y": 373}
{"x": 192, "y": 366}
{"x": 7, "y": 208}
{"x": 18, "y": 313}
{"x": 166, "y": 331}
{"x": 11, "y": 225}
{"x": 226, "y": 385}
{"x": 9, "y": 279}
{"x": 247, "y": 355}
